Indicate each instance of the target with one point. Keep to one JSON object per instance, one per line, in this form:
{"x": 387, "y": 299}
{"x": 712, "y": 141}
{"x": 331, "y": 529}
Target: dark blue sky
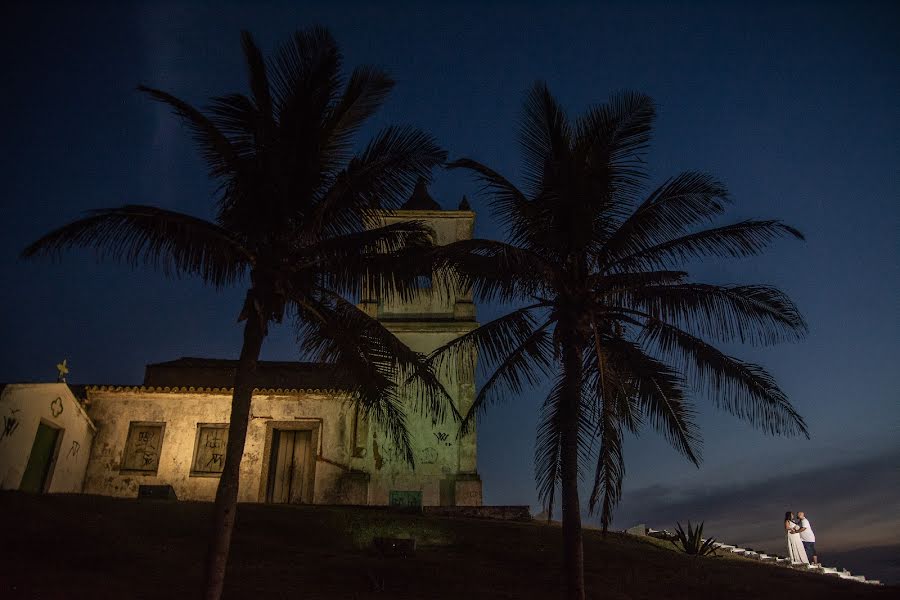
{"x": 793, "y": 105}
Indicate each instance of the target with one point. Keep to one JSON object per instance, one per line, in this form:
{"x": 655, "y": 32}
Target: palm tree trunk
{"x": 573, "y": 550}
{"x": 227, "y": 492}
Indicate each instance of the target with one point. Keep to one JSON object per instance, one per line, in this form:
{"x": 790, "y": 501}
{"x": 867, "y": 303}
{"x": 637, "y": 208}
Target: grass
{"x": 74, "y": 546}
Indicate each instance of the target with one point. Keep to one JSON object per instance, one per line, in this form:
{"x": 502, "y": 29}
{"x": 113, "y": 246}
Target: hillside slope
{"x": 65, "y": 546}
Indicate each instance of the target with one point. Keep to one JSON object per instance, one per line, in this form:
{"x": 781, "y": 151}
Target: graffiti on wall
{"x": 74, "y": 449}
{"x": 210, "y": 452}
{"x": 146, "y": 448}
{"x": 443, "y": 438}
{"x": 56, "y": 407}
{"x": 10, "y": 424}
{"x": 429, "y": 456}
{"x": 142, "y": 447}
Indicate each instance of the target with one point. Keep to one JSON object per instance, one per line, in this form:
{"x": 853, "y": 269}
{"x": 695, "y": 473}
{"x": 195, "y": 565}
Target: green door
{"x": 35, "y": 477}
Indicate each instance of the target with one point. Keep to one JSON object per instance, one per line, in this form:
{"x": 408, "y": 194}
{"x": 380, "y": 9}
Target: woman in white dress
{"x": 796, "y": 551}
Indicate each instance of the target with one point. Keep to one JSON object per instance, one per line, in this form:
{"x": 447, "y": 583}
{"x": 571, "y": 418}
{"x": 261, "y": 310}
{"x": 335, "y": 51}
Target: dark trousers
{"x": 810, "y": 548}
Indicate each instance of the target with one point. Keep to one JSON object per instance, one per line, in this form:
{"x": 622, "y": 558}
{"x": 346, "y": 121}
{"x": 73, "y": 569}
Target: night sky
{"x": 794, "y": 107}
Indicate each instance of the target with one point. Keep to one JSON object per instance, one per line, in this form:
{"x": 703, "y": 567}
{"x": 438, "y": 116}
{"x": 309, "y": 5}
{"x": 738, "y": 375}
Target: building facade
{"x": 306, "y": 442}
{"x": 45, "y": 439}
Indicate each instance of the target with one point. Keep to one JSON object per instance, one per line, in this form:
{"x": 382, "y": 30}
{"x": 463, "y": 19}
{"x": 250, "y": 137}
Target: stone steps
{"x": 780, "y": 560}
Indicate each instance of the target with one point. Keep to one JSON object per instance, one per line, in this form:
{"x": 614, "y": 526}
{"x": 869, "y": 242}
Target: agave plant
{"x": 692, "y": 542}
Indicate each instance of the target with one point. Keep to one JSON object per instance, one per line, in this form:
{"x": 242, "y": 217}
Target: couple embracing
{"x": 800, "y": 538}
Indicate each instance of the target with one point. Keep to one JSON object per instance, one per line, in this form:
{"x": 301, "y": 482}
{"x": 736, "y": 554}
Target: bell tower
{"x": 446, "y": 465}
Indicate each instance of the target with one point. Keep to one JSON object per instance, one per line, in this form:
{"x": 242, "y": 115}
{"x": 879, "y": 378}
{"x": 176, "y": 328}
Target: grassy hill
{"x": 72, "y": 546}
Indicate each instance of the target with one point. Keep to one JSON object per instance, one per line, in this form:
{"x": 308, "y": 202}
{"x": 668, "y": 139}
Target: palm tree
{"x": 296, "y": 212}
{"x": 610, "y": 313}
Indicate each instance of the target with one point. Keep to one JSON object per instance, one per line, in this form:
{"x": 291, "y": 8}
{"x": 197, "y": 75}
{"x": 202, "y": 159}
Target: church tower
{"x": 446, "y": 470}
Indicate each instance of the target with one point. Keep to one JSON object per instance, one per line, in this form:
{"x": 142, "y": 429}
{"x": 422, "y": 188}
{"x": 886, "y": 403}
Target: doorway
{"x": 40, "y": 462}
{"x": 288, "y": 466}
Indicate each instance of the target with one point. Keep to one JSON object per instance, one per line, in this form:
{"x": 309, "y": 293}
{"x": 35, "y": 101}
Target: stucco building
{"x": 45, "y": 437}
{"x": 306, "y": 443}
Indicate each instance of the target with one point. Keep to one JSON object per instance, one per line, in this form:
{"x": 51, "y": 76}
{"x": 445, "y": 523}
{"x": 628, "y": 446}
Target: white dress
{"x": 796, "y": 551}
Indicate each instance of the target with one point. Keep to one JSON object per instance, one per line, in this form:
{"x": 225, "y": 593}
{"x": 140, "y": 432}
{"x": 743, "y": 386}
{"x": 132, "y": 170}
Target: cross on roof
{"x": 63, "y": 370}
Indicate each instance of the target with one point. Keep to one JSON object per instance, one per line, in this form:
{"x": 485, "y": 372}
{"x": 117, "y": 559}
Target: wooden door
{"x": 43, "y": 450}
{"x": 288, "y": 466}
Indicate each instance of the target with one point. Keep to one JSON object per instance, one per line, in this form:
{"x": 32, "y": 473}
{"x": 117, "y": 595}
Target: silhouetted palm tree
{"x": 610, "y": 315}
{"x": 296, "y": 213}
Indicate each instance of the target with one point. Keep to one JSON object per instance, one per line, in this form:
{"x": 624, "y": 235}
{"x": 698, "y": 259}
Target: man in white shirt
{"x": 808, "y": 538}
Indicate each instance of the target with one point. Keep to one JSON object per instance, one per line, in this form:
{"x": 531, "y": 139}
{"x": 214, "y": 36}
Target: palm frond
{"x": 491, "y": 342}
{"x": 257, "y": 76}
{"x": 382, "y": 239}
{"x": 610, "y": 470}
{"x": 397, "y": 157}
{"x": 389, "y": 259}
{"x": 509, "y": 204}
{"x": 172, "y": 242}
{"x": 743, "y": 389}
{"x": 527, "y": 364}
{"x": 547, "y": 459}
{"x": 493, "y": 270}
{"x": 338, "y": 328}
{"x": 620, "y": 128}
{"x": 379, "y": 178}
{"x": 682, "y": 202}
{"x": 371, "y": 379}
{"x": 544, "y": 135}
{"x": 613, "y": 138}
{"x": 383, "y": 406}
{"x": 746, "y": 238}
{"x": 304, "y": 79}
{"x": 365, "y": 92}
{"x": 659, "y": 391}
{"x": 237, "y": 117}
{"x": 604, "y": 285}
{"x": 614, "y": 410}
{"x": 511, "y": 348}
{"x": 548, "y": 450}
{"x": 214, "y": 147}
{"x": 755, "y": 314}
{"x": 608, "y": 382}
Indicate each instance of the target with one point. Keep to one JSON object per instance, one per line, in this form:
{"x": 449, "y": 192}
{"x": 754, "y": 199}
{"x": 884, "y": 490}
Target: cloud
{"x": 851, "y": 505}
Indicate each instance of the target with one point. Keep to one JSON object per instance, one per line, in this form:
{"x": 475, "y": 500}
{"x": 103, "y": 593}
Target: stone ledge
{"x": 136, "y": 389}
{"x": 501, "y": 513}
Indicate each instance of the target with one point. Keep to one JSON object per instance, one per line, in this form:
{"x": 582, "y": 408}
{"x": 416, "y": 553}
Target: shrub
{"x": 692, "y": 542}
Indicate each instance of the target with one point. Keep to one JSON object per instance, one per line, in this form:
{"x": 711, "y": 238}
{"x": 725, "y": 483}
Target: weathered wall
{"x": 112, "y": 411}
{"x": 22, "y": 408}
{"x": 438, "y": 449}
{"x": 446, "y": 469}
{"x": 448, "y": 226}
{"x": 376, "y": 470}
